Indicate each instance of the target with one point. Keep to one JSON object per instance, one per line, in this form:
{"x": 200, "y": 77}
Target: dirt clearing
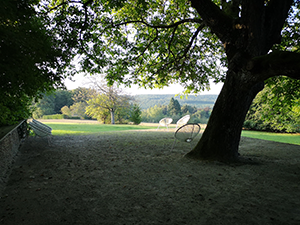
{"x": 136, "y": 178}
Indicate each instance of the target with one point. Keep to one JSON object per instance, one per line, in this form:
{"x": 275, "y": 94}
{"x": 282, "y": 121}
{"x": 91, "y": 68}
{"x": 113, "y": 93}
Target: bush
{"x": 55, "y": 116}
{"x": 74, "y": 118}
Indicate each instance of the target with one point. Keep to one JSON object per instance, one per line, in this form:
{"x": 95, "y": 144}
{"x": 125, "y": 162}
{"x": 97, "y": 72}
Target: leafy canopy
{"x": 150, "y": 43}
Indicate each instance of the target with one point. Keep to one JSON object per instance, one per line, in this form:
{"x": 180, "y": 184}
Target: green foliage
{"x": 200, "y": 101}
{"x": 103, "y": 107}
{"x": 276, "y": 108}
{"x": 13, "y": 110}
{"x": 187, "y": 109}
{"x": 44, "y": 106}
{"x": 70, "y": 103}
{"x": 31, "y": 62}
{"x": 96, "y": 110}
{"x": 66, "y": 111}
{"x": 154, "y": 114}
{"x": 78, "y": 110}
{"x": 55, "y": 116}
{"x": 62, "y": 98}
{"x": 151, "y": 44}
{"x": 174, "y": 107}
{"x": 82, "y": 94}
{"x": 135, "y": 114}
{"x": 109, "y": 100}
{"x": 122, "y": 114}
{"x": 200, "y": 116}
{"x": 51, "y": 103}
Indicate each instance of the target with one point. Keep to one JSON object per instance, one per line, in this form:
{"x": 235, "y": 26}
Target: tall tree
{"x": 62, "y": 98}
{"x": 109, "y": 98}
{"x": 174, "y": 107}
{"x": 135, "y": 114}
{"x": 154, "y": 43}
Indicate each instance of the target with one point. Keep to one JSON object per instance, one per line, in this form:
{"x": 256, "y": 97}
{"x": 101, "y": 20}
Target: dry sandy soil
{"x": 136, "y": 178}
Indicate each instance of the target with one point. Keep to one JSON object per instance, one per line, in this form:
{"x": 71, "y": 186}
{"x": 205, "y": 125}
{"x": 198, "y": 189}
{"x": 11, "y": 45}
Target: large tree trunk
{"x": 220, "y": 140}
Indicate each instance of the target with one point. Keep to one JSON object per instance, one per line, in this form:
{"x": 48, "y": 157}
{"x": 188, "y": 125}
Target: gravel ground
{"x": 137, "y": 178}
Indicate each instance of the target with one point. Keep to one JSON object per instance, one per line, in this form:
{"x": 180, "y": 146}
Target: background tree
{"x": 82, "y": 94}
{"x": 156, "y": 43}
{"x": 66, "y": 111}
{"x": 187, "y": 109}
{"x": 104, "y": 109}
{"x": 97, "y": 109}
{"x": 276, "y": 108}
{"x": 154, "y": 114}
{"x": 78, "y": 109}
{"x": 135, "y": 114}
{"x": 45, "y": 106}
{"x": 110, "y": 98}
{"x": 174, "y": 107}
{"x": 62, "y": 98}
{"x": 52, "y": 103}
{"x": 80, "y": 97}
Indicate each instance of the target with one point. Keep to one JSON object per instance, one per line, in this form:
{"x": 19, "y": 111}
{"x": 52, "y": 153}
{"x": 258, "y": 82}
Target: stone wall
{"x": 9, "y": 146}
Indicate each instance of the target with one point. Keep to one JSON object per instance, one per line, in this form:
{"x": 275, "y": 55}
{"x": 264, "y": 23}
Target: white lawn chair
{"x": 182, "y": 121}
{"x": 187, "y": 133}
{"x": 165, "y": 122}
{"x": 40, "y": 129}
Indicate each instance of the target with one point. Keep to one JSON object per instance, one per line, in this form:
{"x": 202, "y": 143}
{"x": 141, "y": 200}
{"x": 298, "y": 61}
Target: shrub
{"x": 55, "y": 116}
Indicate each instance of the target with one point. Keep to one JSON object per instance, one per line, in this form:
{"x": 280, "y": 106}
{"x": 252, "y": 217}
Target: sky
{"x": 81, "y": 81}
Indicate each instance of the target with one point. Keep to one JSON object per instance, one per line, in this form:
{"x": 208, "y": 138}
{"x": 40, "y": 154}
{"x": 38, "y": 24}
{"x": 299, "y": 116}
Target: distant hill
{"x": 200, "y": 101}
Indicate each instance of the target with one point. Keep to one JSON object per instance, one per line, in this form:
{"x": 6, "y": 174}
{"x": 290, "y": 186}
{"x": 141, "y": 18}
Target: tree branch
{"x": 276, "y": 64}
{"x": 215, "y": 18}
{"x": 186, "y": 50}
{"x": 171, "y": 40}
{"x": 176, "y": 24}
{"x": 276, "y": 14}
{"x": 146, "y": 48}
{"x": 64, "y": 3}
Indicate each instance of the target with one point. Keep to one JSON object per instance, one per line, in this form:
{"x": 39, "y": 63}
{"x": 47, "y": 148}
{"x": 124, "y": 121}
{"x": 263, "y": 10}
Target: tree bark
{"x": 220, "y": 140}
{"x": 247, "y": 41}
{"x": 112, "y": 116}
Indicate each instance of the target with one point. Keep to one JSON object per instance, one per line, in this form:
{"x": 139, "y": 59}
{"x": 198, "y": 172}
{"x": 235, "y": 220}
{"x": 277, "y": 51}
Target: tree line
{"x": 200, "y": 101}
{"x": 87, "y": 103}
{"x": 265, "y": 114}
{"x": 175, "y": 111}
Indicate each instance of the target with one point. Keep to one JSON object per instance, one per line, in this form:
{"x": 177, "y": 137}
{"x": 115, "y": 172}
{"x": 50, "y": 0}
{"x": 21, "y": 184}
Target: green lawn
{"x": 86, "y": 129}
{"x": 278, "y": 137}
{"x": 63, "y": 128}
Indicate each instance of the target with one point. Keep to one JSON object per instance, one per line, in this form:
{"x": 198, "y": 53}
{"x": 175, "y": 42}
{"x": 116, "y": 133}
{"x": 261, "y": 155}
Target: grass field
{"x": 62, "y": 128}
{"x": 73, "y": 128}
{"x": 278, "y": 137}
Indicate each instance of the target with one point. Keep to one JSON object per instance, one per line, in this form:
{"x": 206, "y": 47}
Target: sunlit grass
{"x": 86, "y": 129}
{"x": 64, "y": 128}
{"x": 278, "y": 137}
